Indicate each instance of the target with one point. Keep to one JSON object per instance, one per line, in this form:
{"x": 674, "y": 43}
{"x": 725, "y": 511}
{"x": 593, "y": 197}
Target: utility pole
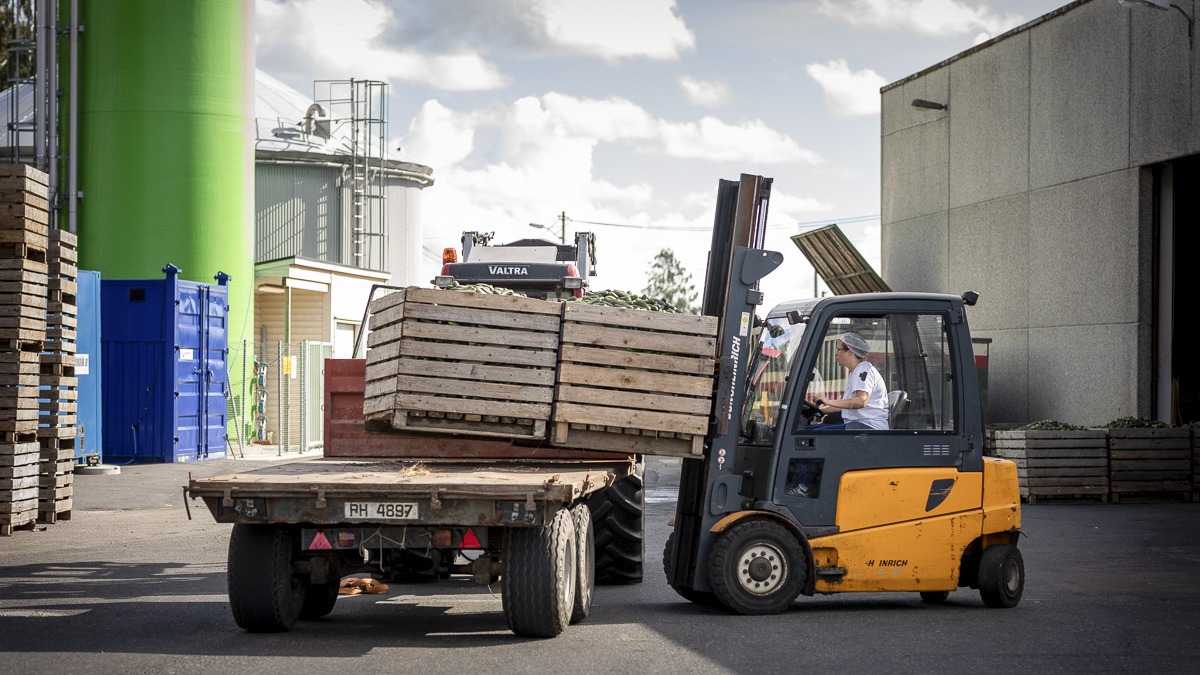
{"x": 563, "y": 219}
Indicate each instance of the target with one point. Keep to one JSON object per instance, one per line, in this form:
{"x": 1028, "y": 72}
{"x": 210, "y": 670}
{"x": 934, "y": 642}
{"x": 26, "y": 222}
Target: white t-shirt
{"x": 875, "y": 414}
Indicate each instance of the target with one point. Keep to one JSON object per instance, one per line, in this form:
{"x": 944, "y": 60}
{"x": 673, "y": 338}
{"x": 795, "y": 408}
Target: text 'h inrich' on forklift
{"x": 781, "y": 505}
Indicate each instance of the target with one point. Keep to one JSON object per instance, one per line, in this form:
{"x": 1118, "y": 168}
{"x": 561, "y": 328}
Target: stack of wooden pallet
{"x": 59, "y": 382}
{"x": 464, "y": 363}
{"x": 1150, "y": 460}
{"x": 23, "y": 246}
{"x": 1055, "y": 464}
{"x": 634, "y": 381}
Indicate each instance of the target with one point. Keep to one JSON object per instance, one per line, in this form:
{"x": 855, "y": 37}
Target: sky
{"x": 629, "y": 112}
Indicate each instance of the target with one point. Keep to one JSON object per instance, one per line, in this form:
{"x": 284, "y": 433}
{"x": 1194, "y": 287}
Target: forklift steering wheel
{"x": 809, "y": 409}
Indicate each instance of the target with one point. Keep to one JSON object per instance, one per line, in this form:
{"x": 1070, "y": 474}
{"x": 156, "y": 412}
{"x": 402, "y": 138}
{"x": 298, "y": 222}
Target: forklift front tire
{"x": 757, "y": 567}
{"x": 1001, "y": 576}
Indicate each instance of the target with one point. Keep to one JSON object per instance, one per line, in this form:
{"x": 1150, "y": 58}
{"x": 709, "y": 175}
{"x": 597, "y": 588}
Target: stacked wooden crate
{"x": 59, "y": 383}
{"x": 464, "y": 363}
{"x": 23, "y": 246}
{"x": 1055, "y": 464}
{"x": 1150, "y": 460}
{"x": 632, "y": 380}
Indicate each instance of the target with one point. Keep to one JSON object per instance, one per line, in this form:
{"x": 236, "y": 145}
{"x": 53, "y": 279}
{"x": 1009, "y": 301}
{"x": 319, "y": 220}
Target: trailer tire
{"x": 265, "y": 595}
{"x": 1001, "y": 576}
{"x": 585, "y": 565}
{"x": 538, "y": 582}
{"x": 319, "y": 600}
{"x": 619, "y": 526}
{"x": 702, "y": 598}
{"x": 757, "y": 567}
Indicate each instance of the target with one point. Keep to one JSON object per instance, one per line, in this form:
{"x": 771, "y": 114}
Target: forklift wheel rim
{"x": 762, "y": 568}
{"x": 1012, "y": 576}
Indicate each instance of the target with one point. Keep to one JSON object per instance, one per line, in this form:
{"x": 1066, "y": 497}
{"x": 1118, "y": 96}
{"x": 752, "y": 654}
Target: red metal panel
{"x": 346, "y": 434}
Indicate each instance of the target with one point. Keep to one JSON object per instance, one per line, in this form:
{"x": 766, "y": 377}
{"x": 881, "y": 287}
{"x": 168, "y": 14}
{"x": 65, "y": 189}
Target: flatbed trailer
{"x": 421, "y": 509}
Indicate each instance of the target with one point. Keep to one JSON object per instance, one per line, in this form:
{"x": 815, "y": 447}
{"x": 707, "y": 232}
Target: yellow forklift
{"x": 786, "y": 503}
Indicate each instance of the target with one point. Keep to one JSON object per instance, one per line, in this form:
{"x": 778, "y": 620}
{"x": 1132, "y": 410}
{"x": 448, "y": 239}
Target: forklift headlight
{"x": 443, "y": 281}
{"x": 572, "y": 282}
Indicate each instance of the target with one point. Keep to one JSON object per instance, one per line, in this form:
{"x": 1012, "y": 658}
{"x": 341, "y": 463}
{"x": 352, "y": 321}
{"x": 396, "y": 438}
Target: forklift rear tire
{"x": 266, "y": 596}
{"x": 1001, "y": 576}
{"x": 319, "y": 600}
{"x": 757, "y": 567}
{"x": 585, "y": 566}
{"x": 537, "y": 585}
{"x": 619, "y": 525}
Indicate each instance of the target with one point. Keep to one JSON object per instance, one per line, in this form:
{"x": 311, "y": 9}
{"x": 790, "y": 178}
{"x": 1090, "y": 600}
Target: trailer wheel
{"x": 1001, "y": 576}
{"x": 538, "y": 582}
{"x": 585, "y": 564}
{"x": 319, "y": 600}
{"x": 702, "y": 598}
{"x": 757, "y": 567}
{"x": 264, "y": 594}
{"x": 618, "y": 524}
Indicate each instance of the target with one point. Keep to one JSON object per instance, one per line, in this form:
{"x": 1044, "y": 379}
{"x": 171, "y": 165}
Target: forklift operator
{"x": 864, "y": 405}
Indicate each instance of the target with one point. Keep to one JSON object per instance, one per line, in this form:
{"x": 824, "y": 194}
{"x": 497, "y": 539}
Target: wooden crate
{"x": 631, "y": 380}
{"x": 59, "y": 385}
{"x": 1055, "y": 464}
{"x": 18, "y": 485}
{"x": 462, "y": 363}
{"x": 1150, "y": 461}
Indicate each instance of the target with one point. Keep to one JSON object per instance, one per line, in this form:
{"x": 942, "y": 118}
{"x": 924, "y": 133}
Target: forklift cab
{"x": 921, "y": 348}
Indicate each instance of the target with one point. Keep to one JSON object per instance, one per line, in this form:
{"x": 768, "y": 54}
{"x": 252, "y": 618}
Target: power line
{"x": 804, "y": 225}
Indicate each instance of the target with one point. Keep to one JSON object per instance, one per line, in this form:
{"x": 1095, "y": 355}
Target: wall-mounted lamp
{"x": 1164, "y": 5}
{"x": 928, "y": 105}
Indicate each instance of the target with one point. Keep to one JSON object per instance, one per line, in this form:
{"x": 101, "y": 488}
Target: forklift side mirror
{"x": 794, "y": 317}
{"x": 969, "y": 298}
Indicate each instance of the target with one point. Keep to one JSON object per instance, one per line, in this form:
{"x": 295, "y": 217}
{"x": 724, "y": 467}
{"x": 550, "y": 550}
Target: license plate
{"x": 381, "y": 510}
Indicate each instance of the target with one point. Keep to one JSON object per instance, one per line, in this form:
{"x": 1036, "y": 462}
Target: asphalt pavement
{"x": 129, "y": 584}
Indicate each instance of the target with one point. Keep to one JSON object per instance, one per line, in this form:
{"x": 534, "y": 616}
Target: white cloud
{"x": 783, "y": 204}
{"x": 318, "y": 39}
{"x": 848, "y": 93}
{"x": 538, "y": 161}
{"x": 704, "y": 93}
{"x": 617, "y": 29}
{"x": 931, "y": 18}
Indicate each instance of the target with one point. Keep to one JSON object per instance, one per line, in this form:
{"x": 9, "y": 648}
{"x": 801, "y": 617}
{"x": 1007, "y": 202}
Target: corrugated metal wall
{"x": 296, "y": 213}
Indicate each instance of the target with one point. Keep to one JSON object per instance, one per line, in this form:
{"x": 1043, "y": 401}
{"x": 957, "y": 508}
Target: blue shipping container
{"x": 88, "y": 366}
{"x": 164, "y": 349}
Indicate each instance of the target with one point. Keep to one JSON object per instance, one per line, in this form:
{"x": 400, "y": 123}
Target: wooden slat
{"x": 387, "y": 317}
{"x": 637, "y": 400}
{"x": 634, "y": 419}
{"x": 602, "y": 336}
{"x": 475, "y": 353}
{"x": 644, "y": 319}
{"x": 385, "y": 301}
{"x": 473, "y": 371}
{"x": 484, "y": 317}
{"x": 622, "y": 357}
{"x": 516, "y": 303}
{"x": 410, "y": 384}
{"x": 472, "y": 406}
{"x": 383, "y": 353}
{"x": 493, "y": 336}
{"x": 639, "y": 380}
{"x": 385, "y": 335}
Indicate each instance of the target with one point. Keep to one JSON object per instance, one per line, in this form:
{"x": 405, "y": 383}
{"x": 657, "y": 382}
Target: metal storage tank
{"x": 165, "y": 360}
{"x": 165, "y": 163}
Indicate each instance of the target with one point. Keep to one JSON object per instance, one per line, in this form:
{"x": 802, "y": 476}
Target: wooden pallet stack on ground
{"x": 1055, "y": 464}
{"x": 1150, "y": 461}
{"x": 24, "y": 219}
{"x": 57, "y": 435}
{"x": 463, "y": 363}
{"x": 631, "y": 380}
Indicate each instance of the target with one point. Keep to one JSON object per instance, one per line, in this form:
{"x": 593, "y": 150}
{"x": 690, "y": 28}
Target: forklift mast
{"x": 737, "y": 262}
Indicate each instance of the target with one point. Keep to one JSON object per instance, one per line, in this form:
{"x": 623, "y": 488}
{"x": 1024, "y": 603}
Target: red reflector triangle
{"x": 470, "y": 540}
{"x": 320, "y": 543}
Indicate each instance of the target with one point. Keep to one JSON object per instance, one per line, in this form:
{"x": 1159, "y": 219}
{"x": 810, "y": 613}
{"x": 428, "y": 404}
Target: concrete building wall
{"x": 1036, "y": 189}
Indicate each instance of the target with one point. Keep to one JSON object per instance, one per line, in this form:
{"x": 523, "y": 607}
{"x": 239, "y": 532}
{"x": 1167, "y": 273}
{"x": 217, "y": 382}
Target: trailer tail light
{"x": 469, "y": 540}
{"x": 443, "y": 538}
{"x": 346, "y": 538}
{"x": 449, "y": 255}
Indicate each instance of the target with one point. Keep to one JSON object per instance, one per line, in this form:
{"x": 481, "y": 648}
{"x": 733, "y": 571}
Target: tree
{"x": 671, "y": 282}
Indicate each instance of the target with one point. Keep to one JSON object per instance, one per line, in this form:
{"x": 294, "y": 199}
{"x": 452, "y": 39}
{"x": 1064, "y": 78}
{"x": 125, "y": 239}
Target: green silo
{"x": 166, "y": 164}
